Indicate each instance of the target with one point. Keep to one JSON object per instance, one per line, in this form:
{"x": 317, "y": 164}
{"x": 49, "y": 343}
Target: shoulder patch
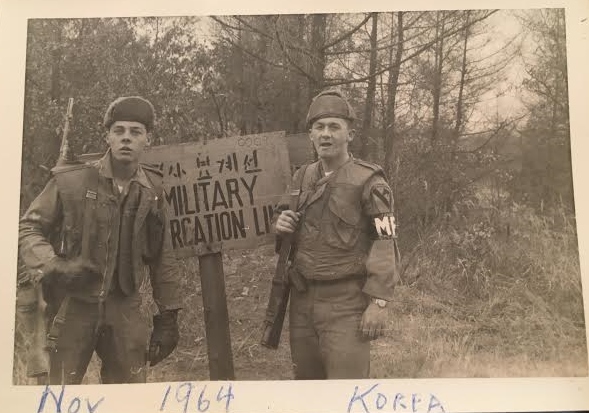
{"x": 381, "y": 198}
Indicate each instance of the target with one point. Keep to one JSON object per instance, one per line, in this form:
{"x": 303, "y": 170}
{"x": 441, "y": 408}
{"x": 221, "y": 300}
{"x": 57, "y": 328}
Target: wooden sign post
{"x": 214, "y": 300}
{"x": 221, "y": 196}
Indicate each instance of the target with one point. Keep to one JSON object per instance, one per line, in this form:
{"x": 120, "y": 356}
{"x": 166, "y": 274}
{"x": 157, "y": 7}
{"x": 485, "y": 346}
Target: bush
{"x": 511, "y": 271}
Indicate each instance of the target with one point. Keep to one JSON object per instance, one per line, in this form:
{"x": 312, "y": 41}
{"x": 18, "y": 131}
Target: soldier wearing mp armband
{"x": 87, "y": 239}
{"x": 344, "y": 265}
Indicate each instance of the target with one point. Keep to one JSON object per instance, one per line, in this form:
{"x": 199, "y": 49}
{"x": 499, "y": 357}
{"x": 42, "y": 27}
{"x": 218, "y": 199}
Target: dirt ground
{"x": 425, "y": 337}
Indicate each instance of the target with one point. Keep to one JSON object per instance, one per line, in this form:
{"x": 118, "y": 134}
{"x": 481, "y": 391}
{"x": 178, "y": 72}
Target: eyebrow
{"x": 317, "y": 123}
{"x": 132, "y": 128}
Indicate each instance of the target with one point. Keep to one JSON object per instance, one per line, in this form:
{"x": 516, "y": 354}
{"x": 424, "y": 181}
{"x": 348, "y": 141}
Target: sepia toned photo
{"x": 274, "y": 197}
{"x": 460, "y": 116}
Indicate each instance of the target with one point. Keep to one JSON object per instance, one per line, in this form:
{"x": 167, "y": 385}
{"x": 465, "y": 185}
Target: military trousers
{"x": 117, "y": 332}
{"x": 325, "y": 339}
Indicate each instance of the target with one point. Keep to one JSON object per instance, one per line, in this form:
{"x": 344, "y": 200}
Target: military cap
{"x": 130, "y": 108}
{"x": 330, "y": 103}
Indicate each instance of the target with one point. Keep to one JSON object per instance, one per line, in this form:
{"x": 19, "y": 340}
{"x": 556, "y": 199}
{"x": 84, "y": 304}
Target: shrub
{"x": 511, "y": 271}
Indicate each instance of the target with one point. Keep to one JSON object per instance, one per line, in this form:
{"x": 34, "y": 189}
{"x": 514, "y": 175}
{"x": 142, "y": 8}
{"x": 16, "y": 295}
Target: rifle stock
{"x": 38, "y": 362}
{"x": 280, "y": 292}
{"x": 30, "y": 307}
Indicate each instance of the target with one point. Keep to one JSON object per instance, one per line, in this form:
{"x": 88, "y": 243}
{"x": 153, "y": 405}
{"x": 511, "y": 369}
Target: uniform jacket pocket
{"x": 343, "y": 228}
{"x": 154, "y": 234}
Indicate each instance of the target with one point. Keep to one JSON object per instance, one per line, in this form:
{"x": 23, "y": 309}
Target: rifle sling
{"x": 299, "y": 183}
{"x": 56, "y": 324}
{"x": 89, "y": 206}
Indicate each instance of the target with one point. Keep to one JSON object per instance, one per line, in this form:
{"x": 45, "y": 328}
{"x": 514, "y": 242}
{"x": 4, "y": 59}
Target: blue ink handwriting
{"x": 191, "y": 398}
{"x": 57, "y": 401}
{"x": 371, "y": 400}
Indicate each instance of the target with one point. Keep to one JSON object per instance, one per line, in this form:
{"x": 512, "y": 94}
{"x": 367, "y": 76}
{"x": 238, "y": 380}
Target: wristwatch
{"x": 380, "y": 302}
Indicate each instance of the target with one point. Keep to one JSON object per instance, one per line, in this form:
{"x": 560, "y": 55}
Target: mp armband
{"x": 384, "y": 226}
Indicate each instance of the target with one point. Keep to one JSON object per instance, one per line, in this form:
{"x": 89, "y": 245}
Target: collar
{"x": 104, "y": 166}
{"x": 334, "y": 171}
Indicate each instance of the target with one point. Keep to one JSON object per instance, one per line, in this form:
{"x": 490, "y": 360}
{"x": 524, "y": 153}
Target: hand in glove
{"x": 164, "y": 337}
{"x": 75, "y": 274}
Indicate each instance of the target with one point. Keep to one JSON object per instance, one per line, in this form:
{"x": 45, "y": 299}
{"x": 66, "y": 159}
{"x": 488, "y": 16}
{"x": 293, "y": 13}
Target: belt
{"x": 347, "y": 278}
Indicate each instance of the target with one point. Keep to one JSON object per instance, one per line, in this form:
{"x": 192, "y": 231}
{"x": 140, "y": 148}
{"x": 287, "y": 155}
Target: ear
{"x": 351, "y": 135}
{"x": 148, "y": 140}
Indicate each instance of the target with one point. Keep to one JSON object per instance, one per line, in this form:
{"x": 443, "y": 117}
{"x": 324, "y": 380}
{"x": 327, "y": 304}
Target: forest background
{"x": 466, "y": 110}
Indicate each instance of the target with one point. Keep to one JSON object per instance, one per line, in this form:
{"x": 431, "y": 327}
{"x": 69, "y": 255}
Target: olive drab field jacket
{"x": 336, "y": 233}
{"x": 80, "y": 212}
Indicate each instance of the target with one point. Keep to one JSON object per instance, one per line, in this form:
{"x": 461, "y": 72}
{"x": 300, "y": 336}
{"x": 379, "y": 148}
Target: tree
{"x": 96, "y": 60}
{"x": 371, "y": 91}
{"x": 546, "y": 175}
{"x": 390, "y": 133}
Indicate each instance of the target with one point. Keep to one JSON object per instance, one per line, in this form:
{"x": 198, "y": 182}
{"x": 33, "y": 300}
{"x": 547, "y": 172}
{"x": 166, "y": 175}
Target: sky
{"x": 502, "y": 100}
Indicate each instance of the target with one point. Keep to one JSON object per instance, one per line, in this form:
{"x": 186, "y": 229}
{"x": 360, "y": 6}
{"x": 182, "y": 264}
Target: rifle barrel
{"x": 64, "y": 150}
{"x": 280, "y": 290}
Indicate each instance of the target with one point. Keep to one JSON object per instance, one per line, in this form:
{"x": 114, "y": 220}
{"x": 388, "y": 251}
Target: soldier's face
{"x": 331, "y": 136}
{"x": 127, "y": 140}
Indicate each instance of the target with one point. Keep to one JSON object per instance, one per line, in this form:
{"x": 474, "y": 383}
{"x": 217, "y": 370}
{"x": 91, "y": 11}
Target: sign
{"x": 222, "y": 192}
{"x": 300, "y": 150}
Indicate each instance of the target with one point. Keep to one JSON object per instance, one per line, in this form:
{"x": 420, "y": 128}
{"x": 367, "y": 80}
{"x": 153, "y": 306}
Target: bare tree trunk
{"x": 298, "y": 102}
{"x": 388, "y": 113}
{"x": 317, "y": 63}
{"x": 239, "y": 66}
{"x": 390, "y": 134}
{"x": 261, "y": 69}
{"x": 371, "y": 91}
{"x": 547, "y": 194}
{"x": 463, "y": 69}
{"x": 437, "y": 83}
{"x": 450, "y": 160}
{"x": 56, "y": 57}
{"x": 219, "y": 113}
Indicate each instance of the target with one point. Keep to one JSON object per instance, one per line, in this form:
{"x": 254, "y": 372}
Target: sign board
{"x": 222, "y": 192}
{"x": 300, "y": 150}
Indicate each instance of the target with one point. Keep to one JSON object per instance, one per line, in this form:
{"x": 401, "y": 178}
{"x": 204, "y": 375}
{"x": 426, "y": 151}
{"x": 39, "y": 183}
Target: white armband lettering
{"x": 385, "y": 226}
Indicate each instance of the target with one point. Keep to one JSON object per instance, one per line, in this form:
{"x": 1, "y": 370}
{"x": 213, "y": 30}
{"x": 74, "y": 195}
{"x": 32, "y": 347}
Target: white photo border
{"x": 455, "y": 395}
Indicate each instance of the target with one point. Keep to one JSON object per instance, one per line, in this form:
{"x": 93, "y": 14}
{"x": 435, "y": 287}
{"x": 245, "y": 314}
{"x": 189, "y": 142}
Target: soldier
{"x": 87, "y": 238}
{"x": 344, "y": 265}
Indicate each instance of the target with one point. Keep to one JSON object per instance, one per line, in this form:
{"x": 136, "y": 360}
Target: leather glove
{"x": 74, "y": 274}
{"x": 164, "y": 337}
{"x": 374, "y": 321}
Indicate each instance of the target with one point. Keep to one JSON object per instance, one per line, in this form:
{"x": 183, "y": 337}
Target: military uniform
{"x": 81, "y": 212}
{"x": 341, "y": 260}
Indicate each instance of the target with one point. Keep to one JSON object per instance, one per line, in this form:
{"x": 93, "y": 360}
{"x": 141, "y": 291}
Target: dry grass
{"x": 427, "y": 340}
{"x": 475, "y": 303}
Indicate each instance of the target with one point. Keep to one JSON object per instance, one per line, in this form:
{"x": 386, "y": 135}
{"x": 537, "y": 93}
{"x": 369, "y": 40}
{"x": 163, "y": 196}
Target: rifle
{"x": 38, "y": 363}
{"x": 30, "y": 307}
{"x": 65, "y": 155}
{"x": 38, "y": 352}
{"x": 280, "y": 291}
